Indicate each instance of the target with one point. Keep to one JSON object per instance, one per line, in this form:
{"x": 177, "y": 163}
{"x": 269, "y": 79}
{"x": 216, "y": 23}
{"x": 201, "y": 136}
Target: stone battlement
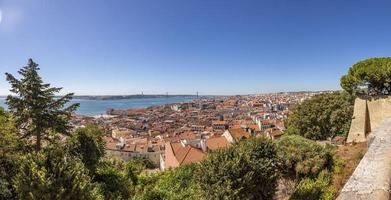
{"x": 372, "y": 123}
{"x": 369, "y": 112}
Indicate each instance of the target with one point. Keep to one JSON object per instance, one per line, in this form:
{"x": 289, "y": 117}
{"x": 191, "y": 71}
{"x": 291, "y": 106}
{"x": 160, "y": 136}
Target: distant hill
{"x": 119, "y": 97}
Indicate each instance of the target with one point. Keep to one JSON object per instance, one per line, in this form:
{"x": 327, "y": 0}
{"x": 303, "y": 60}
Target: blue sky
{"x": 184, "y": 46}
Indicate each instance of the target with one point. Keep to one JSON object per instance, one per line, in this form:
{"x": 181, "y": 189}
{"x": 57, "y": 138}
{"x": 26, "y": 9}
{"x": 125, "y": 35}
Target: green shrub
{"x": 52, "y": 175}
{"x": 301, "y": 157}
{"x": 87, "y": 144}
{"x": 314, "y": 189}
{"x": 113, "y": 180}
{"x": 247, "y": 170}
{"x": 321, "y": 117}
{"x": 179, "y": 183}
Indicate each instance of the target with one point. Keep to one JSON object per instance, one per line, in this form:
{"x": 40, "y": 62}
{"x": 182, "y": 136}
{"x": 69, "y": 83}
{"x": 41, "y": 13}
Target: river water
{"x": 97, "y": 107}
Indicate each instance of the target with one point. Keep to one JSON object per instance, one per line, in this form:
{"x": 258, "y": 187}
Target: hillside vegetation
{"x": 321, "y": 117}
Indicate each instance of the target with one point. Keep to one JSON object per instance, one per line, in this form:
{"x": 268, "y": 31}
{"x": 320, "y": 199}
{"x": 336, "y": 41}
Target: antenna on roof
{"x": 167, "y": 94}
{"x": 197, "y": 94}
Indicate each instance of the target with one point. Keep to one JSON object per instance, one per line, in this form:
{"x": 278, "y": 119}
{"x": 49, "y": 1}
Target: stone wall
{"x": 368, "y": 114}
{"x": 358, "y": 129}
{"x": 379, "y": 108}
{"x": 372, "y": 177}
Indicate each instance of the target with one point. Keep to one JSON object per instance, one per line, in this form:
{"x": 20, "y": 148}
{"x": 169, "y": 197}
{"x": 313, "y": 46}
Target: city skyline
{"x": 181, "y": 47}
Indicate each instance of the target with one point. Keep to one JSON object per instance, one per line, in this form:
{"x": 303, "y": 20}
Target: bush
{"x": 87, "y": 143}
{"x": 179, "y": 183}
{"x": 322, "y": 116}
{"x": 314, "y": 189}
{"x": 247, "y": 170}
{"x": 53, "y": 175}
{"x": 9, "y": 154}
{"x": 113, "y": 180}
{"x": 146, "y": 187}
{"x": 301, "y": 157}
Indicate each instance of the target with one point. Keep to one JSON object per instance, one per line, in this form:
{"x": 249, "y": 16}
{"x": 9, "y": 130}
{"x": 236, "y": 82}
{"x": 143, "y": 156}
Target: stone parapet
{"x": 372, "y": 177}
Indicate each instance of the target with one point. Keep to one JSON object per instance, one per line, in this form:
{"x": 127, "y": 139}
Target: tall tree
{"x": 37, "y": 112}
{"x": 371, "y": 76}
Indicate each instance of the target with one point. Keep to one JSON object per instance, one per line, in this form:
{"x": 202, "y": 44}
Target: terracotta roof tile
{"x": 187, "y": 154}
{"x": 216, "y": 143}
{"x": 188, "y": 135}
{"x": 238, "y": 134}
{"x": 110, "y": 143}
{"x": 129, "y": 147}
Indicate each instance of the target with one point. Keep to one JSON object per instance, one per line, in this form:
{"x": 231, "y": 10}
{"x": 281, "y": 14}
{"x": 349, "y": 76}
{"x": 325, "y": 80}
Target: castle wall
{"x": 368, "y": 113}
{"x": 379, "y": 108}
{"x": 358, "y": 129}
{"x": 372, "y": 177}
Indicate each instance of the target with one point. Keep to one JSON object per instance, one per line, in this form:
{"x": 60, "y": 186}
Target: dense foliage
{"x": 9, "y": 148}
{"x": 371, "y": 76}
{"x": 308, "y": 165}
{"x": 247, "y": 170}
{"x": 113, "y": 180}
{"x": 302, "y": 157}
{"x": 36, "y": 110}
{"x": 315, "y": 188}
{"x": 179, "y": 183}
{"x": 87, "y": 143}
{"x": 173, "y": 184}
{"x": 51, "y": 174}
{"x": 321, "y": 117}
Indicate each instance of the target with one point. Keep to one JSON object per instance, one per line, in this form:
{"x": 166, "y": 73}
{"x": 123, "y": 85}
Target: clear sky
{"x": 184, "y": 46}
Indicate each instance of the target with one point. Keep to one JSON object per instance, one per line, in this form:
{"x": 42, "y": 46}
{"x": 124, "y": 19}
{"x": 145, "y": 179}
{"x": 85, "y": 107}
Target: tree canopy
{"x": 36, "y": 110}
{"x": 321, "y": 117}
{"x": 178, "y": 184}
{"x": 9, "y": 148}
{"x": 113, "y": 180}
{"x": 51, "y": 174}
{"x": 371, "y": 76}
{"x": 247, "y": 170}
{"x": 87, "y": 143}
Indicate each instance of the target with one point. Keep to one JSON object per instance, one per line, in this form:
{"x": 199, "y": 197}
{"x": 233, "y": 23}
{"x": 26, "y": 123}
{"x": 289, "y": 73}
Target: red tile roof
{"x": 110, "y": 143}
{"x": 239, "y": 134}
{"x": 182, "y": 154}
{"x": 216, "y": 143}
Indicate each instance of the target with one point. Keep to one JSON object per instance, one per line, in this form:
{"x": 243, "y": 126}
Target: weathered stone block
{"x": 372, "y": 177}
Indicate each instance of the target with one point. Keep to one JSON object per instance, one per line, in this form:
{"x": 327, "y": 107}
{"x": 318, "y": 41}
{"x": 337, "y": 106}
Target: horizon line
{"x": 163, "y": 94}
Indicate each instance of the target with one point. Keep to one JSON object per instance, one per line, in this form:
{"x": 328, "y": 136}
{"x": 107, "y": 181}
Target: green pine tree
{"x": 38, "y": 113}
